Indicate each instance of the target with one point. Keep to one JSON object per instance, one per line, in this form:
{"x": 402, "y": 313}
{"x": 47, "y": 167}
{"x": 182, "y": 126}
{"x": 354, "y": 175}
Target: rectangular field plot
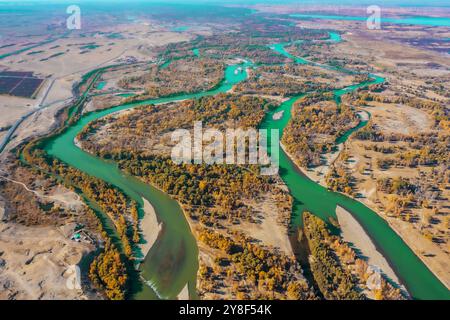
{"x": 8, "y": 83}
{"x": 20, "y": 74}
{"x": 19, "y": 83}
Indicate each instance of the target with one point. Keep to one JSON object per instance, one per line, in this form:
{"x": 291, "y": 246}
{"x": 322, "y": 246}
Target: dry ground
{"x": 35, "y": 261}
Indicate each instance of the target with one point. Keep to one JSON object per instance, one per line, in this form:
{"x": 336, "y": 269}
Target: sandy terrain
{"x": 269, "y": 232}
{"x": 61, "y": 90}
{"x": 400, "y": 118}
{"x": 36, "y": 261}
{"x": 80, "y": 54}
{"x": 69, "y": 198}
{"x": 353, "y": 233}
{"x": 12, "y": 108}
{"x": 102, "y": 102}
{"x": 150, "y": 228}
{"x": 184, "y": 294}
{"x": 38, "y": 123}
{"x": 66, "y": 69}
{"x": 59, "y": 195}
{"x": 279, "y": 99}
{"x": 317, "y": 174}
{"x": 278, "y": 115}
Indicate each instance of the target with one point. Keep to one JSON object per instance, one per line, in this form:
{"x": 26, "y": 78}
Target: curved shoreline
{"x": 421, "y": 282}
{"x": 150, "y": 229}
{"x": 174, "y": 241}
{"x": 353, "y": 233}
{"x": 308, "y": 175}
{"x": 313, "y": 176}
{"x": 410, "y": 244}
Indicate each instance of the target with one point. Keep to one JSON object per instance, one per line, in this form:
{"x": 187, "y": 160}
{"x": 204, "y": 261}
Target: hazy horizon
{"x": 387, "y": 3}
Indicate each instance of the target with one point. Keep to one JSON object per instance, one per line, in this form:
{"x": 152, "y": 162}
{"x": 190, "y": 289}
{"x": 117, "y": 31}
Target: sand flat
{"x": 36, "y": 261}
{"x": 354, "y": 233}
{"x": 317, "y": 174}
{"x": 269, "y": 231}
{"x": 184, "y": 294}
{"x": 150, "y": 228}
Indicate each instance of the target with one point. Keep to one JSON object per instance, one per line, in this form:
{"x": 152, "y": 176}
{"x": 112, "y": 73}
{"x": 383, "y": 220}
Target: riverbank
{"x": 175, "y": 241}
{"x": 433, "y": 258}
{"x": 316, "y": 174}
{"x": 148, "y": 224}
{"x": 407, "y": 234}
{"x": 353, "y": 233}
{"x": 151, "y": 231}
{"x": 438, "y": 267}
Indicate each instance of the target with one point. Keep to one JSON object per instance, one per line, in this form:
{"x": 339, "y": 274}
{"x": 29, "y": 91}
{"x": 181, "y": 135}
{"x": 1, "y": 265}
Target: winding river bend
{"x": 173, "y": 260}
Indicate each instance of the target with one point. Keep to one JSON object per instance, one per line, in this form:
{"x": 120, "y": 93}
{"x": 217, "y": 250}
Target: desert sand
{"x": 269, "y": 231}
{"x": 12, "y": 108}
{"x": 35, "y": 263}
{"x": 67, "y": 68}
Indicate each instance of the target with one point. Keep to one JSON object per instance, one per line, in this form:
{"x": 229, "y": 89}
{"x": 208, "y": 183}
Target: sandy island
{"x": 278, "y": 115}
{"x": 150, "y": 228}
{"x": 184, "y": 293}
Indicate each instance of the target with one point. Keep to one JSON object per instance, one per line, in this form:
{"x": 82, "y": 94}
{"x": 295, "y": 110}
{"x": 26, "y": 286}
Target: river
{"x": 173, "y": 260}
